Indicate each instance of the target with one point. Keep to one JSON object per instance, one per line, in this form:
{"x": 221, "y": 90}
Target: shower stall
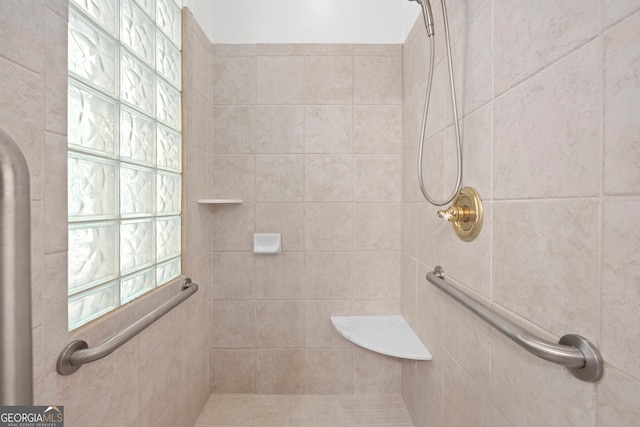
{"x": 320, "y": 142}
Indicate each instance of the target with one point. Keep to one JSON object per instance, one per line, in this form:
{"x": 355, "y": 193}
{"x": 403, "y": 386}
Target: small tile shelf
{"x": 390, "y": 335}
{"x": 219, "y": 201}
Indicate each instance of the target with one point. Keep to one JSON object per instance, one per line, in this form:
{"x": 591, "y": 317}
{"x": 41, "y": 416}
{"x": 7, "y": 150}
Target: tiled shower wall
{"x": 309, "y": 137}
{"x": 548, "y": 93}
{"x": 161, "y": 376}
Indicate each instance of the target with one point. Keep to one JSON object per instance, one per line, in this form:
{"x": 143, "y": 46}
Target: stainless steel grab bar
{"x": 16, "y": 372}
{"x": 575, "y": 352}
{"x": 77, "y": 353}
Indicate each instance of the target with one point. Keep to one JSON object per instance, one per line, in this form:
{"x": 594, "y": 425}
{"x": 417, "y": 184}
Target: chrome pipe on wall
{"x": 16, "y": 372}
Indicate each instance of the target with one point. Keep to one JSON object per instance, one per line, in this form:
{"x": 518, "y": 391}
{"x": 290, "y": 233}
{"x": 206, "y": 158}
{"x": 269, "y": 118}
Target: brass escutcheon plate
{"x": 470, "y": 226}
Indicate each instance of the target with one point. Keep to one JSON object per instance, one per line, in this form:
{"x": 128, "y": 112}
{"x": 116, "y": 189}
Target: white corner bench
{"x": 390, "y": 335}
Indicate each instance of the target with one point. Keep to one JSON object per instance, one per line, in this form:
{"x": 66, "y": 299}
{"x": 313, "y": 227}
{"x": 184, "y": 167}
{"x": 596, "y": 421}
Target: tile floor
{"x": 259, "y": 410}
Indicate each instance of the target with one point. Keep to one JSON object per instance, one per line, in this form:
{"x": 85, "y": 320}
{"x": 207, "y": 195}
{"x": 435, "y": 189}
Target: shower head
{"x": 428, "y": 15}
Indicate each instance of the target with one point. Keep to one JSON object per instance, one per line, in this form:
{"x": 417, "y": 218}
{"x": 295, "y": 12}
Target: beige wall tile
{"x": 280, "y": 371}
{"x": 324, "y": 49}
{"x": 115, "y": 407}
{"x": 440, "y": 107}
{"x": 466, "y": 403}
{"x": 377, "y": 80}
{"x": 476, "y": 131}
{"x": 328, "y": 371}
{"x": 620, "y": 291}
{"x": 376, "y": 275}
{"x": 232, "y": 276}
{"x": 473, "y": 67}
{"x": 279, "y": 324}
{"x": 197, "y": 121}
{"x": 198, "y": 217}
{"x": 56, "y": 275}
{"x": 328, "y": 226}
{"x": 328, "y": 79}
{"x": 328, "y": 178}
{"x": 328, "y": 129}
{"x": 199, "y": 61}
{"x": 234, "y": 176}
{"x": 328, "y": 275}
{"x": 280, "y": 129}
{"x": 377, "y": 50}
{"x": 567, "y": 250}
{"x": 233, "y": 129}
{"x": 463, "y": 16}
{"x": 22, "y": 116}
{"x": 284, "y": 218}
{"x": 280, "y": 49}
{"x": 197, "y": 169}
{"x": 408, "y": 285}
{"x": 377, "y": 178}
{"x": 409, "y": 229}
{"x": 97, "y": 379}
{"x": 375, "y": 373}
{"x": 280, "y": 79}
{"x": 560, "y": 115}
{"x": 462, "y": 331}
{"x": 552, "y": 31}
{"x": 194, "y": 348}
{"x": 155, "y": 337}
{"x": 319, "y": 331}
{"x": 470, "y": 262}
{"x": 243, "y": 49}
{"x": 195, "y": 395}
{"x": 414, "y": 58}
{"x": 622, "y": 151}
{"x": 45, "y": 377}
{"x": 156, "y": 381}
{"x": 55, "y": 74}
{"x": 280, "y": 276}
{"x": 433, "y": 169}
{"x": 234, "y": 79}
{"x": 171, "y": 414}
{"x": 22, "y": 32}
{"x": 375, "y": 307}
{"x": 55, "y": 201}
{"x": 496, "y": 419}
{"x": 233, "y": 371}
{"x": 549, "y": 94}
{"x": 279, "y": 178}
{"x": 410, "y": 176}
{"x": 618, "y": 399}
{"x": 431, "y": 229}
{"x": 60, "y": 7}
{"x": 411, "y": 121}
{"x": 430, "y": 303}
{"x": 376, "y": 226}
{"x": 377, "y": 129}
{"x": 541, "y": 393}
{"x": 615, "y": 10}
{"x": 233, "y": 324}
{"x": 234, "y": 228}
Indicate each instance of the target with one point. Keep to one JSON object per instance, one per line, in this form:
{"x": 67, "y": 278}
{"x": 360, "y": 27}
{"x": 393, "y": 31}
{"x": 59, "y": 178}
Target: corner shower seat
{"x": 390, "y": 335}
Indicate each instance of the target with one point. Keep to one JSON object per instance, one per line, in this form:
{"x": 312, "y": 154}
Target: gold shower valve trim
{"x": 465, "y": 214}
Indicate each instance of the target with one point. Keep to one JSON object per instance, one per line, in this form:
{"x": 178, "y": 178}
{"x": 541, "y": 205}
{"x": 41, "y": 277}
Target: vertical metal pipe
{"x": 16, "y": 377}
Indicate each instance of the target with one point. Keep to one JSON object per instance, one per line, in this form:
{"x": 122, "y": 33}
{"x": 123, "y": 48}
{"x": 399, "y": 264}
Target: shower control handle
{"x": 465, "y": 214}
{"x": 456, "y": 214}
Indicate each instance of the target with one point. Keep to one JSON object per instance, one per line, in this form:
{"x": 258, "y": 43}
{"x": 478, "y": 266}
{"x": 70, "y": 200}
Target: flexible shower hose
{"x": 427, "y": 100}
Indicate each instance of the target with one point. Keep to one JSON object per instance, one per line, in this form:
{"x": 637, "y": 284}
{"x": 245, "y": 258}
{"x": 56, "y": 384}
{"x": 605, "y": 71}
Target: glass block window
{"x": 125, "y": 152}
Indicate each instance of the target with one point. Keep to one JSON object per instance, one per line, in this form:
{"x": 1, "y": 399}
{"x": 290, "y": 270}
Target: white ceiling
{"x": 305, "y": 21}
